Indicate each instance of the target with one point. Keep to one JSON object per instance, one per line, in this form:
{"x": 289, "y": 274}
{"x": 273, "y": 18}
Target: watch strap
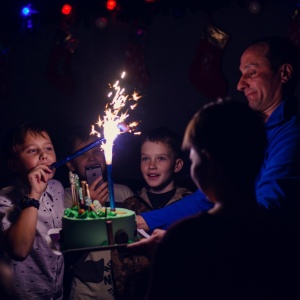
{"x": 30, "y": 202}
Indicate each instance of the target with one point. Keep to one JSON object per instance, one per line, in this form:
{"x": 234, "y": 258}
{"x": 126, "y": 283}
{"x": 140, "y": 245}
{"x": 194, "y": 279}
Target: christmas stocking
{"x": 206, "y": 70}
{"x": 134, "y": 64}
{"x": 294, "y": 29}
{"x": 59, "y": 65}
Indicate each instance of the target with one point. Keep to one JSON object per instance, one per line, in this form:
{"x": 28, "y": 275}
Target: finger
{"x": 101, "y": 195}
{"x": 96, "y": 182}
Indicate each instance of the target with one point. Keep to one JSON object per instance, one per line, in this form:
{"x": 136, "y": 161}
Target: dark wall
{"x": 169, "y": 99}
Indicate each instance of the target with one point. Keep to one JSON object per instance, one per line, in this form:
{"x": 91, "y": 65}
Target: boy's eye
{"x": 97, "y": 151}
{"x": 161, "y": 158}
{"x": 49, "y": 148}
{"x": 31, "y": 150}
{"x": 83, "y": 155}
{"x": 144, "y": 158}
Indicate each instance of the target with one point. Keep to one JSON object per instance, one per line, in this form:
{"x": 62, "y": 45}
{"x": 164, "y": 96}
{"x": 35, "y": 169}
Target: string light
{"x": 66, "y": 9}
{"x": 111, "y": 4}
{"x": 30, "y": 20}
{"x": 27, "y": 11}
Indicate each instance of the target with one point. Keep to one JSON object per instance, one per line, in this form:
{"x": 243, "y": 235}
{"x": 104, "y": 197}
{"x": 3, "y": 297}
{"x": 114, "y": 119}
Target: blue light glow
{"x": 26, "y": 11}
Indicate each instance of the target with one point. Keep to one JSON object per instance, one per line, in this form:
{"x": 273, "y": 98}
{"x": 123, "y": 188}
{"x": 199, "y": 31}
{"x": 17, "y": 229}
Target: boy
{"x": 89, "y": 274}
{"x": 78, "y": 138}
{"x": 31, "y": 206}
{"x": 160, "y": 163}
{"x": 235, "y": 248}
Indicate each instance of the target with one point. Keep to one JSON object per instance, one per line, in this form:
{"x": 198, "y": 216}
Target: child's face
{"x": 36, "y": 150}
{"x": 195, "y": 167}
{"x": 203, "y": 170}
{"x": 91, "y": 157}
{"x": 158, "y": 164}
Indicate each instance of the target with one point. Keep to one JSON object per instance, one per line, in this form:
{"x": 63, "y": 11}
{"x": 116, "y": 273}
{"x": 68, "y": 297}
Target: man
{"x": 270, "y": 72}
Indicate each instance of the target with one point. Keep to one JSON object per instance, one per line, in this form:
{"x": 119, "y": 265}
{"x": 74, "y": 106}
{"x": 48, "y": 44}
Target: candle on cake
{"x": 112, "y": 123}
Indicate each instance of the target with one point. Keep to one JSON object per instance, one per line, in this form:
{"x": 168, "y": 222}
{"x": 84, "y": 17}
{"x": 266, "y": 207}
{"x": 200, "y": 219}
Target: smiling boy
{"x": 160, "y": 163}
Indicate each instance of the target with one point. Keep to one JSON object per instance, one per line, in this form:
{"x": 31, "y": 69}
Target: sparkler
{"x": 112, "y": 124}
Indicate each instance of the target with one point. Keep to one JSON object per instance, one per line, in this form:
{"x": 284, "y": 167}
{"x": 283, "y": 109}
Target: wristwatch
{"x": 29, "y": 202}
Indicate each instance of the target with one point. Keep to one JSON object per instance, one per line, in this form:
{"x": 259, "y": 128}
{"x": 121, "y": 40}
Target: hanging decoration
{"x": 59, "y": 65}
{"x": 294, "y": 29}
{"x": 206, "y": 70}
{"x": 134, "y": 63}
{"x": 30, "y": 19}
{"x": 255, "y": 7}
{"x": 4, "y": 76}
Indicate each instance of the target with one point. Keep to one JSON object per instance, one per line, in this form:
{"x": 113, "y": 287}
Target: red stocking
{"x": 135, "y": 59}
{"x": 206, "y": 71}
{"x": 59, "y": 65}
{"x": 294, "y": 30}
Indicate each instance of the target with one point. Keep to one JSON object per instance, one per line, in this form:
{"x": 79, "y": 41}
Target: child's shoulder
{"x": 181, "y": 192}
{"x": 7, "y": 195}
{"x": 136, "y": 199}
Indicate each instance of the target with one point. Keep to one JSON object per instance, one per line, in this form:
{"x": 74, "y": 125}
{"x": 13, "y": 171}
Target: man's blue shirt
{"x": 277, "y": 185}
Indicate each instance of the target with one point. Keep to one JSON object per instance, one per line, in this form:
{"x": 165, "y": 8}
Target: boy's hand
{"x": 101, "y": 193}
{"x": 38, "y": 179}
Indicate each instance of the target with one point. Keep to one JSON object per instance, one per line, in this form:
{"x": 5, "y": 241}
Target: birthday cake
{"x": 92, "y": 228}
{"x": 88, "y": 224}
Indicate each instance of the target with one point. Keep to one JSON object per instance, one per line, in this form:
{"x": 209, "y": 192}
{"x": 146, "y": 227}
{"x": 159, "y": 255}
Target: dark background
{"x": 166, "y": 35}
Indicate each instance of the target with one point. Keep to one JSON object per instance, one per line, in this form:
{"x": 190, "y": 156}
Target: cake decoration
{"x": 91, "y": 227}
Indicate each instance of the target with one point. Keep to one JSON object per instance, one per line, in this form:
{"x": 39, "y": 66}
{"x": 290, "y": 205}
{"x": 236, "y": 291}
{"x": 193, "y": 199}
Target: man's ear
{"x": 178, "y": 165}
{"x": 70, "y": 166}
{"x": 286, "y": 72}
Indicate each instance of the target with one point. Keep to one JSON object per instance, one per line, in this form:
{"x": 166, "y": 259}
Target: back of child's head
{"x": 233, "y": 134}
{"x": 17, "y": 135}
{"x": 166, "y": 136}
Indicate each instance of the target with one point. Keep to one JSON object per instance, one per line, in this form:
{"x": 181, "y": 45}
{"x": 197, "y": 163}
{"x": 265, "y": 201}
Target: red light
{"x": 111, "y": 4}
{"x": 66, "y": 9}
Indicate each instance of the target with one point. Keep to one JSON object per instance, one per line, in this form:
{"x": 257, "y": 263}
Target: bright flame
{"x": 115, "y": 114}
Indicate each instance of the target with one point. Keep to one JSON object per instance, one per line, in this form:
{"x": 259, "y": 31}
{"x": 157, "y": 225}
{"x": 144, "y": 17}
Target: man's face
{"x": 91, "y": 157}
{"x": 260, "y": 84}
{"x": 36, "y": 150}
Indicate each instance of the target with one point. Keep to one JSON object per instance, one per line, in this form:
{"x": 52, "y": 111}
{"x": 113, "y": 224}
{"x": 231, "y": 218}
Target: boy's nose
{"x": 92, "y": 158}
{"x": 44, "y": 155}
{"x": 152, "y": 166}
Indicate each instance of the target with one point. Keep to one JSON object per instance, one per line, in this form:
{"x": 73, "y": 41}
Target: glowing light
{"x": 113, "y": 123}
{"x": 66, "y": 9}
{"x": 111, "y": 4}
{"x": 27, "y": 11}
